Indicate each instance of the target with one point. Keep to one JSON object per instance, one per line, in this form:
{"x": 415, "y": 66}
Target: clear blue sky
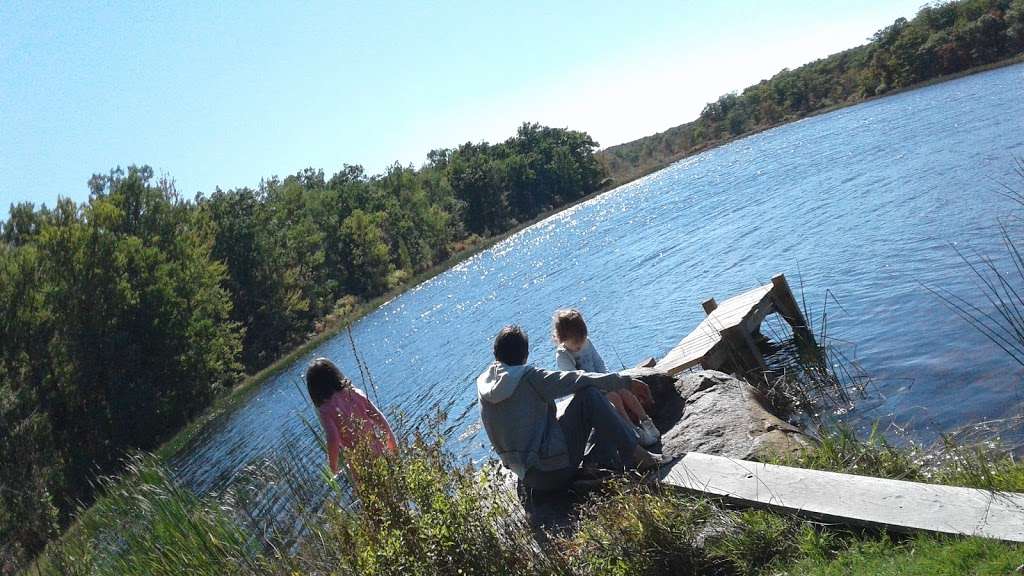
{"x": 225, "y": 93}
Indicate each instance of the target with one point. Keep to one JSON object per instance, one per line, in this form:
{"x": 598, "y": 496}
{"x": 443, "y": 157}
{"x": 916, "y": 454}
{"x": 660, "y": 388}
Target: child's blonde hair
{"x": 568, "y": 324}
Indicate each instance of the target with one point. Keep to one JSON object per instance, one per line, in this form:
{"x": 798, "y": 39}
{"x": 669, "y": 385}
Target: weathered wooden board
{"x": 843, "y": 498}
{"x": 748, "y": 308}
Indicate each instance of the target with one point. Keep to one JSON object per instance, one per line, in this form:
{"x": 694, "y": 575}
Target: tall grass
{"x": 1000, "y": 315}
{"x": 425, "y": 511}
{"x": 418, "y": 513}
{"x": 148, "y": 525}
{"x": 809, "y": 381}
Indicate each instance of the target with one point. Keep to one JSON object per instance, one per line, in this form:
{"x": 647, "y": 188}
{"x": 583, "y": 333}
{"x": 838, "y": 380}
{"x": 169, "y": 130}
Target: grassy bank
{"x": 429, "y": 511}
{"x": 425, "y": 512}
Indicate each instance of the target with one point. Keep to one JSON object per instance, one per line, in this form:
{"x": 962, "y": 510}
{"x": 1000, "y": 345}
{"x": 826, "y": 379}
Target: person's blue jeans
{"x": 588, "y": 412}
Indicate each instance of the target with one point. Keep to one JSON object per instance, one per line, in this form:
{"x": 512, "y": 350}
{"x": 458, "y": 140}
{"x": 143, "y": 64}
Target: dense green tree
{"x": 1014, "y": 19}
{"x": 116, "y": 331}
{"x": 476, "y": 179}
{"x": 123, "y": 316}
{"x": 31, "y": 472}
{"x": 366, "y": 253}
{"x": 23, "y": 224}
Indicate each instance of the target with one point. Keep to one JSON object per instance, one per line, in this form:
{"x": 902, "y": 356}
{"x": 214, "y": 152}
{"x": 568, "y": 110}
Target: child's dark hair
{"x": 511, "y": 346}
{"x": 568, "y": 324}
{"x": 323, "y": 379}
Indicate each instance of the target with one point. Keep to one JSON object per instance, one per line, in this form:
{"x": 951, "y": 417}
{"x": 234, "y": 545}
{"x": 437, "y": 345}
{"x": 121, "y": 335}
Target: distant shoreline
{"x": 1018, "y": 59}
{"x": 251, "y": 384}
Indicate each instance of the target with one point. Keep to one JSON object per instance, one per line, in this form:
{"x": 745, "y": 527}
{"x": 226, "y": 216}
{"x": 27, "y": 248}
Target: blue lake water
{"x": 870, "y": 202}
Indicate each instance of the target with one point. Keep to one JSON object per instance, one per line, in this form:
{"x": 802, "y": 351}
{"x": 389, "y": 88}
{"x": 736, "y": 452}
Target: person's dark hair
{"x": 323, "y": 379}
{"x": 568, "y": 324}
{"x": 511, "y": 346}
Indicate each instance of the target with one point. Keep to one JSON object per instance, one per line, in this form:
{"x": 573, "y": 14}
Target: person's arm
{"x": 333, "y": 441}
{"x": 553, "y": 385}
{"x": 365, "y": 408}
{"x": 643, "y": 393}
{"x": 564, "y": 360}
{"x": 598, "y": 361}
{"x": 382, "y": 423}
{"x": 637, "y": 387}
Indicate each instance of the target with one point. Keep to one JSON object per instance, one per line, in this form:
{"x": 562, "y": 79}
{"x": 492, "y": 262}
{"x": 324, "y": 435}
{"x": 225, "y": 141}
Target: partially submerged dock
{"x": 726, "y": 337}
{"x": 727, "y": 340}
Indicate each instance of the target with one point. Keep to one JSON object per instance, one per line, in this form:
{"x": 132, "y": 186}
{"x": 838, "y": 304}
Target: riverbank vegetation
{"x": 124, "y": 316}
{"x": 428, "y": 513}
{"x": 943, "y": 39}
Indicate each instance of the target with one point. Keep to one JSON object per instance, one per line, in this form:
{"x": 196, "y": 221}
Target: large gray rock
{"x": 704, "y": 411}
{"x": 715, "y": 413}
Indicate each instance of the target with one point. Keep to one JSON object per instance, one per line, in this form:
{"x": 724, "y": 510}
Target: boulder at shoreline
{"x": 715, "y": 413}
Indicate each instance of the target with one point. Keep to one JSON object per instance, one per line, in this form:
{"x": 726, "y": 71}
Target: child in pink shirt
{"x": 346, "y": 414}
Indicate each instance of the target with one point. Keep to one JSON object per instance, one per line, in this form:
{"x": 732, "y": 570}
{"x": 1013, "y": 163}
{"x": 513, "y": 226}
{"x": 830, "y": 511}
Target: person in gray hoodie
{"x": 517, "y": 406}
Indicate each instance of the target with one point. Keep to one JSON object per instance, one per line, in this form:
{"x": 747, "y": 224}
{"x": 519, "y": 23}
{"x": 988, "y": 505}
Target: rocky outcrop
{"x": 705, "y": 411}
{"x": 715, "y": 413}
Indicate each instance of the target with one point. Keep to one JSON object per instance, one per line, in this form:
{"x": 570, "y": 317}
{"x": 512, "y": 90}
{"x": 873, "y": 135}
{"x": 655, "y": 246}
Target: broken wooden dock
{"x": 726, "y": 337}
{"x": 726, "y": 340}
{"x": 894, "y": 505}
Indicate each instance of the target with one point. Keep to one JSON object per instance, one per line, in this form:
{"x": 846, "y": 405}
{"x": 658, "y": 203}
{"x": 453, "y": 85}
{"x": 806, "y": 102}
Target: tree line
{"x": 123, "y": 316}
{"x": 943, "y": 38}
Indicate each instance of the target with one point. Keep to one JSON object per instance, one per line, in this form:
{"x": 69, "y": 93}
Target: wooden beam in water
{"x": 724, "y": 336}
{"x": 895, "y": 505}
{"x": 789, "y": 309}
{"x": 709, "y": 305}
{"x": 748, "y": 308}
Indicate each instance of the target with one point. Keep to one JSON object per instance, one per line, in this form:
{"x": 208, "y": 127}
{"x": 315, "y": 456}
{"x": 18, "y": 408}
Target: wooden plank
{"x": 895, "y": 505}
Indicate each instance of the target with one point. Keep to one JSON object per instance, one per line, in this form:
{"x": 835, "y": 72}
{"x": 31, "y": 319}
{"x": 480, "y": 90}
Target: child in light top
{"x": 575, "y": 351}
{"x": 346, "y": 414}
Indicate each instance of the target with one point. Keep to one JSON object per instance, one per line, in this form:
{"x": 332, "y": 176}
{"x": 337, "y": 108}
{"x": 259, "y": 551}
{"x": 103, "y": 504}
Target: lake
{"x": 869, "y": 203}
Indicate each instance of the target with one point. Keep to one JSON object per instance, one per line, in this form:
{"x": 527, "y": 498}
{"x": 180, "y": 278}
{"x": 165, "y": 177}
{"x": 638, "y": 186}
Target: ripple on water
{"x": 868, "y": 202}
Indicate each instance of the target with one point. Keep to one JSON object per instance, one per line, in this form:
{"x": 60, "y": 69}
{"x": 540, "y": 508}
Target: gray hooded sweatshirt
{"x": 517, "y": 406}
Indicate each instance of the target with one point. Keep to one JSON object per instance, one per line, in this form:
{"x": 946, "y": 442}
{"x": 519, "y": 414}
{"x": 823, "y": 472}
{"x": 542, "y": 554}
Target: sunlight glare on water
{"x": 867, "y": 202}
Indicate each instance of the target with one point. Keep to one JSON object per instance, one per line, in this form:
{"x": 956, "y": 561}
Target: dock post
{"x": 709, "y": 305}
{"x": 787, "y": 307}
{"x": 743, "y": 348}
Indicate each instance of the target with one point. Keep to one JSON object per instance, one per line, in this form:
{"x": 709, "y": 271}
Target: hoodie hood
{"x": 499, "y": 381}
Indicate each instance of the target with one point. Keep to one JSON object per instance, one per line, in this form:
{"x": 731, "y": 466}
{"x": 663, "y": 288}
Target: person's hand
{"x": 642, "y": 393}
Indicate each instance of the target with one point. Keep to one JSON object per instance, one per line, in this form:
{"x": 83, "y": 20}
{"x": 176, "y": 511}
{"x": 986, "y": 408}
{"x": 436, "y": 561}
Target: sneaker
{"x": 649, "y": 434}
{"x": 590, "y": 477}
{"x": 647, "y": 461}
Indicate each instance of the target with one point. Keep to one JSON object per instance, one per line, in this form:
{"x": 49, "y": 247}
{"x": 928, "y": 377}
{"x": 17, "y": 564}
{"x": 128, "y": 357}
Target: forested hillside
{"x": 944, "y": 38}
{"x": 122, "y": 317}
